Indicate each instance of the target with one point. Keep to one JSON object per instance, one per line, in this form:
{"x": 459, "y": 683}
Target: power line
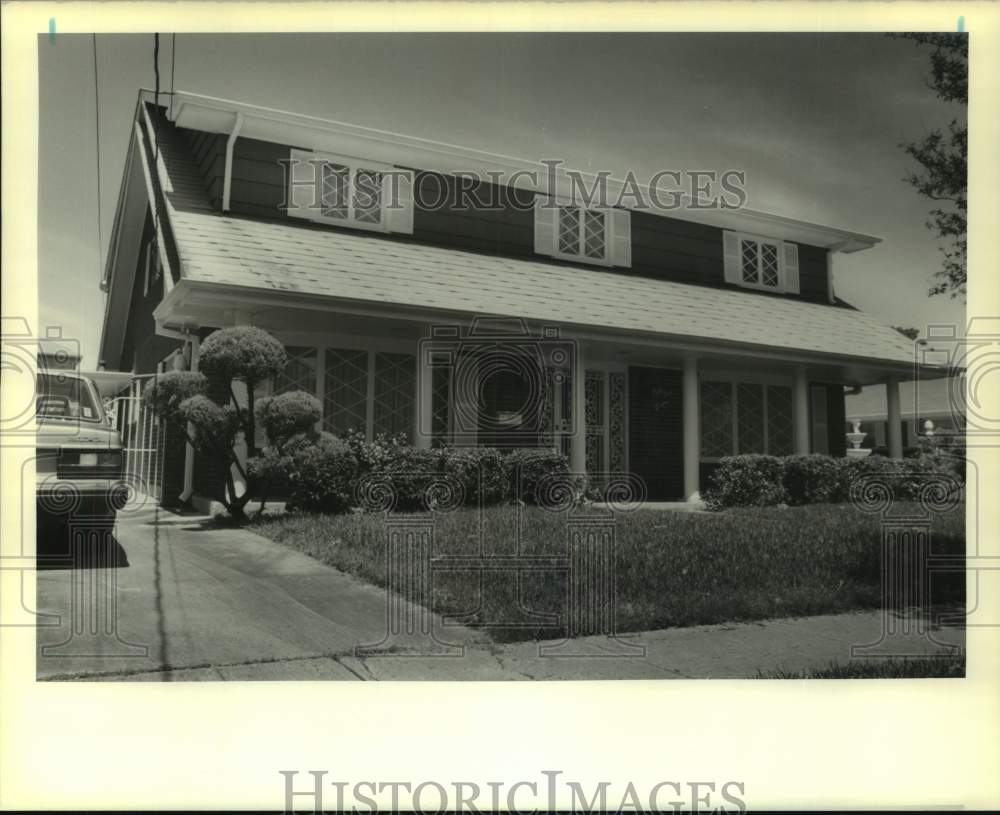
{"x": 173, "y": 62}
{"x": 156, "y": 130}
{"x": 97, "y": 144}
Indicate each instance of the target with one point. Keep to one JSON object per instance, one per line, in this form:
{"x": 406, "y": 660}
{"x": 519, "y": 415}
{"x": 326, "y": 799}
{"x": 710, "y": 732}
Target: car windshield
{"x": 65, "y": 397}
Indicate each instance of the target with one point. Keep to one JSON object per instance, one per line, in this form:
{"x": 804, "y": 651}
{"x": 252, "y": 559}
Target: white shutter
{"x": 621, "y": 237}
{"x": 545, "y": 226}
{"x": 731, "y": 257}
{"x": 302, "y": 185}
{"x": 791, "y": 252}
{"x": 397, "y": 193}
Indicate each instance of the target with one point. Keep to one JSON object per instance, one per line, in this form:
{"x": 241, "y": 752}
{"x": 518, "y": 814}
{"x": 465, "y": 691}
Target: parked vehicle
{"x": 79, "y": 457}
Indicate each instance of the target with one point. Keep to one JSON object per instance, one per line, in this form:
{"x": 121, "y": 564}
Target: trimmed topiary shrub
{"x": 532, "y": 473}
{"x": 245, "y": 353}
{"x": 481, "y": 472}
{"x": 410, "y": 473}
{"x": 165, "y": 393}
{"x": 319, "y": 474}
{"x": 287, "y": 415}
{"x": 746, "y": 481}
{"x": 215, "y": 425}
{"x": 812, "y": 479}
{"x": 817, "y": 479}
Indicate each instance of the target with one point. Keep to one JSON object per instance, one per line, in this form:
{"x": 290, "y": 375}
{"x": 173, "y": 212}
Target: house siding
{"x": 662, "y": 248}
{"x": 143, "y": 348}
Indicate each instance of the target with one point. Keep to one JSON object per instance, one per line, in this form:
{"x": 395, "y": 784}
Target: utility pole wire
{"x": 97, "y": 144}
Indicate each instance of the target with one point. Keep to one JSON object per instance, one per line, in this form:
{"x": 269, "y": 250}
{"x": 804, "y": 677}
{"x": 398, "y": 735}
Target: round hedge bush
{"x": 287, "y": 415}
{"x": 244, "y": 352}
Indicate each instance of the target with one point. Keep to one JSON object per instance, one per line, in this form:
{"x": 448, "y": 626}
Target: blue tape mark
{"x": 961, "y": 22}
{"x": 52, "y": 30}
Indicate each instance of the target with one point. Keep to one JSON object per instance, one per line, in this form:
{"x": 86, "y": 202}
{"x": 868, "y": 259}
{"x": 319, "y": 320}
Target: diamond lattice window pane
{"x": 593, "y": 235}
{"x": 748, "y": 251}
{"x": 368, "y": 197}
{"x": 395, "y": 393}
{"x": 594, "y": 411}
{"x": 569, "y": 230}
{"x": 616, "y": 423}
{"x": 750, "y": 417}
{"x": 346, "y": 391}
{"x": 769, "y": 264}
{"x": 299, "y": 373}
{"x": 333, "y": 190}
{"x": 716, "y": 419}
{"x": 780, "y": 426}
{"x": 440, "y": 395}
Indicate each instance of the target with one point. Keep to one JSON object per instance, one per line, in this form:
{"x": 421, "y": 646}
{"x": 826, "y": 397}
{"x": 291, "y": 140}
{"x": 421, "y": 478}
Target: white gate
{"x": 142, "y": 438}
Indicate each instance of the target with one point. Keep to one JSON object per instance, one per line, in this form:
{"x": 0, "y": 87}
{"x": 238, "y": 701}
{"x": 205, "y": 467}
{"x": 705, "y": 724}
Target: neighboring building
{"x": 57, "y": 355}
{"x": 680, "y": 336}
{"x": 938, "y": 401}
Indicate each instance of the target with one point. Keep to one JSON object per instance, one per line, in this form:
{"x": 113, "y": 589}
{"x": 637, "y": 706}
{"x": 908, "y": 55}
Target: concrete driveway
{"x": 187, "y": 594}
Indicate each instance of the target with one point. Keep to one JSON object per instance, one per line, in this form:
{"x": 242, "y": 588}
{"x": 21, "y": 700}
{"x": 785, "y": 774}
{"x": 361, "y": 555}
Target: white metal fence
{"x": 142, "y": 438}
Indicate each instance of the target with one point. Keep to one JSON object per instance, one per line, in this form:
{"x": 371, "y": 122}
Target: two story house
{"x": 649, "y": 341}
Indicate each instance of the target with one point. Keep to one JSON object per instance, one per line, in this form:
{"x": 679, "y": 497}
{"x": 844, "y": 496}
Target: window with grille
{"x": 716, "y": 419}
{"x": 582, "y": 233}
{"x": 599, "y": 236}
{"x": 780, "y": 426}
{"x": 345, "y": 391}
{"x": 395, "y": 394}
{"x": 299, "y": 373}
{"x": 745, "y": 417}
{"x": 350, "y": 192}
{"x": 760, "y": 263}
{"x": 595, "y": 415}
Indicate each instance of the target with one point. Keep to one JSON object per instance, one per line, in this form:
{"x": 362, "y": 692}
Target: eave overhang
{"x": 187, "y": 305}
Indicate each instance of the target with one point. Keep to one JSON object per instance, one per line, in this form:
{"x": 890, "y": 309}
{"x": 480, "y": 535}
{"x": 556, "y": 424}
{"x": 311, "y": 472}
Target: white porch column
{"x": 894, "y": 430}
{"x": 800, "y": 410}
{"x": 578, "y": 443}
{"x": 424, "y": 403}
{"x": 691, "y": 430}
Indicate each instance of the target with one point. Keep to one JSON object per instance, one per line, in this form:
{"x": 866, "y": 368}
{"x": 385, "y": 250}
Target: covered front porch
{"x": 665, "y": 409}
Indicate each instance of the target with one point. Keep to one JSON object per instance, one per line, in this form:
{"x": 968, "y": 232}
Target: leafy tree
{"x": 943, "y": 157}
{"x": 248, "y": 355}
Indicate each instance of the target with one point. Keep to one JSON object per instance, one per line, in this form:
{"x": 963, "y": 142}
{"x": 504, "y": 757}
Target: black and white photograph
{"x": 501, "y": 356}
{"x": 360, "y": 395}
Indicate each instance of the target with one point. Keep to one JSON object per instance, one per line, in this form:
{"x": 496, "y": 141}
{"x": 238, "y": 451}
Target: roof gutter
{"x": 227, "y": 184}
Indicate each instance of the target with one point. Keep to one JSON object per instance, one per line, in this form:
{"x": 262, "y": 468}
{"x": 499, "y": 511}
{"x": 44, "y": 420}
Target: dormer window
{"x": 350, "y": 192}
{"x": 569, "y": 232}
{"x": 757, "y": 262}
{"x": 583, "y": 233}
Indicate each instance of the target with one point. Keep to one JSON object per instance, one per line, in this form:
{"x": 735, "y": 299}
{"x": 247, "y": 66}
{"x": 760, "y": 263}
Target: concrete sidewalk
{"x": 197, "y": 602}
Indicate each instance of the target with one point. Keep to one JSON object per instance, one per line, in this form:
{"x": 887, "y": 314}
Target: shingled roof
{"x": 361, "y": 267}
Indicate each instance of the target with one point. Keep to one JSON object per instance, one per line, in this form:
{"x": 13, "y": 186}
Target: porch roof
{"x": 362, "y": 268}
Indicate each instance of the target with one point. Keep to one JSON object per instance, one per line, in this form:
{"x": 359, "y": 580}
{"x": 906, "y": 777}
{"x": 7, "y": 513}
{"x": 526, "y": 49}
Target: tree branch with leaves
{"x": 943, "y": 158}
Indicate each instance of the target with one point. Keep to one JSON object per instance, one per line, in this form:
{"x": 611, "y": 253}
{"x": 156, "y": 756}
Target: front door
{"x": 655, "y": 431}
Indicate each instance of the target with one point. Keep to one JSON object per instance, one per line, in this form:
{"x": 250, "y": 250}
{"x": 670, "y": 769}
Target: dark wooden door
{"x": 655, "y": 430}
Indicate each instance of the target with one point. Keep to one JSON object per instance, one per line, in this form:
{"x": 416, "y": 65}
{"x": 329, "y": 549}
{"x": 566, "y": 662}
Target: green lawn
{"x": 947, "y": 666}
{"x": 673, "y": 568}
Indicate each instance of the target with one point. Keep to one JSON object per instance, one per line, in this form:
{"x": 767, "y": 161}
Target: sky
{"x": 815, "y": 121}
